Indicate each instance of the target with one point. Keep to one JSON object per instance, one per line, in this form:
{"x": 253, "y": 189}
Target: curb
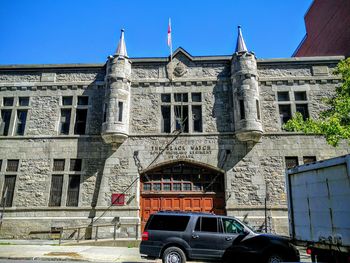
{"x": 45, "y": 259}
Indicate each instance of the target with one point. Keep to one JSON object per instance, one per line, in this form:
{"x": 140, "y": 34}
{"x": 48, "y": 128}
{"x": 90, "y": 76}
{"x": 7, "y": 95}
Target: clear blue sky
{"x": 87, "y": 31}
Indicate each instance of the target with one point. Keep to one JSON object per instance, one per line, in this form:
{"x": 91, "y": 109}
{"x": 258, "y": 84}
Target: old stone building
{"x": 114, "y": 142}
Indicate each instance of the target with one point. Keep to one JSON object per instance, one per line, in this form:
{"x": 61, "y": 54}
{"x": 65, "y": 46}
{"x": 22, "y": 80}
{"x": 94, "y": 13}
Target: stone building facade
{"x": 114, "y": 142}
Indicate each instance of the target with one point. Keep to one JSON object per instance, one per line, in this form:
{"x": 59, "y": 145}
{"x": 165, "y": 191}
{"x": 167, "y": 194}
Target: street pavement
{"x": 41, "y": 250}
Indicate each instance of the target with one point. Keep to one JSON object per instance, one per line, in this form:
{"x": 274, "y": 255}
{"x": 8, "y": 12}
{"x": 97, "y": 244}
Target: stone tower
{"x": 115, "y": 128}
{"x": 246, "y": 102}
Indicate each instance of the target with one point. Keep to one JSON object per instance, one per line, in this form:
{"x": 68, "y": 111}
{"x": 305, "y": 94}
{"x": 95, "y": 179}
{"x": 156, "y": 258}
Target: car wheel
{"x": 174, "y": 255}
{"x": 275, "y": 258}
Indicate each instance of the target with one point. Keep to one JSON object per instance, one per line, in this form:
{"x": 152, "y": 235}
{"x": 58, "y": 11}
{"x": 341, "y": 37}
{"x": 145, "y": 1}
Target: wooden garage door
{"x": 202, "y": 203}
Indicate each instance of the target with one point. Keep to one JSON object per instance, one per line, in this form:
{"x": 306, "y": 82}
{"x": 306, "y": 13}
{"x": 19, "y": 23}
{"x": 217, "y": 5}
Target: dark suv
{"x": 179, "y": 236}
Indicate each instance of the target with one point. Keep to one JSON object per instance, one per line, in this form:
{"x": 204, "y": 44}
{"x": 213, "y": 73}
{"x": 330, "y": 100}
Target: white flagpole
{"x": 170, "y": 41}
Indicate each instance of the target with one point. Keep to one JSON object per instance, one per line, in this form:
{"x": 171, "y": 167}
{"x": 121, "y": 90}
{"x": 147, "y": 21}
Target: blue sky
{"x": 87, "y": 31}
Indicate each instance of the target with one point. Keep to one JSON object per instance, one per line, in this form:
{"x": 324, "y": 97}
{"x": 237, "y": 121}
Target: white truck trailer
{"x": 319, "y": 208}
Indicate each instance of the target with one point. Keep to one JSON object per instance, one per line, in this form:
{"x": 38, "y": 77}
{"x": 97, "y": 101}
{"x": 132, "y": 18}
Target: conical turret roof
{"x": 240, "y": 46}
{"x": 121, "y": 49}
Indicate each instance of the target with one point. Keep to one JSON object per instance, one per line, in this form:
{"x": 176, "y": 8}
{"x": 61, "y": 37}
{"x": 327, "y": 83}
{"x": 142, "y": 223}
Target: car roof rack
{"x": 184, "y": 212}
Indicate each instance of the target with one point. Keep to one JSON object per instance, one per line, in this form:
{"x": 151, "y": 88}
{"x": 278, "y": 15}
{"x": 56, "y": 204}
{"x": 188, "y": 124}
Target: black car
{"x": 179, "y": 236}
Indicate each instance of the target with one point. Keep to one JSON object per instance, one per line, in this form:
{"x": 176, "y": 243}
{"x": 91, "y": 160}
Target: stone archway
{"x": 182, "y": 185}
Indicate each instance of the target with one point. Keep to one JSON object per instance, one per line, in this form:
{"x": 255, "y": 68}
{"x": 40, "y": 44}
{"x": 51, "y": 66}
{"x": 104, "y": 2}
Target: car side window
{"x": 231, "y": 226}
{"x": 207, "y": 224}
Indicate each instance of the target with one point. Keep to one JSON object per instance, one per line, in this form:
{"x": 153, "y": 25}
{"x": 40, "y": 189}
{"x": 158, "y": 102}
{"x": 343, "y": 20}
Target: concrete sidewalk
{"x": 78, "y": 253}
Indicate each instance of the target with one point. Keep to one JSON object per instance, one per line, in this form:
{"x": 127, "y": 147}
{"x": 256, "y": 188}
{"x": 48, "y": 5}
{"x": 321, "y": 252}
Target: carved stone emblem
{"x": 180, "y": 69}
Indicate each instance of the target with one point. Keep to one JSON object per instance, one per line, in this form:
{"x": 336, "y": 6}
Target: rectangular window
{"x": 176, "y": 186}
{"x": 105, "y": 112}
{"x": 168, "y": 222}
{"x": 181, "y": 97}
{"x": 8, "y": 101}
{"x": 21, "y": 121}
{"x": 5, "y": 122}
{"x": 209, "y": 224}
{"x": 67, "y": 100}
{"x": 58, "y": 164}
{"x": 303, "y": 109}
{"x": 300, "y": 95}
{"x": 309, "y": 159}
{"x": 146, "y": 187}
{"x": 157, "y": 186}
{"x": 23, "y": 101}
{"x": 83, "y": 100}
{"x": 56, "y": 190}
{"x": 12, "y": 165}
{"x": 8, "y": 190}
{"x": 197, "y": 118}
{"x": 120, "y": 111}
{"x": 196, "y": 97}
{"x": 285, "y": 113}
{"x": 65, "y": 121}
{"x": 73, "y": 190}
{"x": 283, "y": 96}
{"x": 166, "y": 187}
{"x": 181, "y": 117}
{"x": 80, "y": 121}
{"x": 165, "y": 97}
{"x": 258, "y": 109}
{"x": 166, "y": 119}
{"x": 291, "y": 162}
{"x": 241, "y": 109}
{"x": 75, "y": 165}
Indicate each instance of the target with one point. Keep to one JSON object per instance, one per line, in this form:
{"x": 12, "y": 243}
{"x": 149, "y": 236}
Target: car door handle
{"x": 228, "y": 238}
{"x": 195, "y": 236}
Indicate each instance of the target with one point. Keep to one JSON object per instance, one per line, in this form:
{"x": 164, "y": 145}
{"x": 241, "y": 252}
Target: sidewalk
{"x": 22, "y": 249}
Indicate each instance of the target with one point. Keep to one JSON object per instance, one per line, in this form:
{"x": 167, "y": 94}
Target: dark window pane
{"x": 209, "y": 224}
{"x": 166, "y": 123}
{"x": 300, "y": 95}
{"x": 80, "y": 121}
{"x": 181, "y": 115}
{"x": 56, "y": 190}
{"x": 58, "y": 164}
{"x": 146, "y": 187}
{"x": 283, "y": 96}
{"x": 197, "y": 118}
{"x": 168, "y": 223}
{"x": 0, "y": 165}
{"x": 23, "y": 101}
{"x": 12, "y": 165}
{"x": 75, "y": 165}
{"x": 8, "y": 190}
{"x": 5, "y": 122}
{"x": 285, "y": 113}
{"x": 8, "y": 101}
{"x": 291, "y": 162}
{"x": 156, "y": 187}
{"x": 167, "y": 177}
{"x": 187, "y": 187}
{"x": 309, "y": 159}
{"x": 67, "y": 100}
{"x": 83, "y": 100}
{"x": 65, "y": 121}
{"x": 165, "y": 97}
{"x": 177, "y": 187}
{"x": 181, "y": 97}
{"x": 196, "y": 97}
{"x": 167, "y": 187}
{"x": 241, "y": 109}
{"x": 105, "y": 113}
{"x": 73, "y": 190}
{"x": 120, "y": 111}
{"x": 257, "y": 110}
{"x": 21, "y": 121}
{"x": 303, "y": 109}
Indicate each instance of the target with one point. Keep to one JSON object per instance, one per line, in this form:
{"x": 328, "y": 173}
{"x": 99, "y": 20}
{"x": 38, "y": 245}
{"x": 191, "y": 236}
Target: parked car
{"x": 179, "y": 236}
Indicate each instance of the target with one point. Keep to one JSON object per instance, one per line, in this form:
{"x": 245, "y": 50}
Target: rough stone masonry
{"x": 187, "y": 134}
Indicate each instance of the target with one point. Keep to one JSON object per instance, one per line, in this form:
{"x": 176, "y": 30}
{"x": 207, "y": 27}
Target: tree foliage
{"x": 334, "y": 122}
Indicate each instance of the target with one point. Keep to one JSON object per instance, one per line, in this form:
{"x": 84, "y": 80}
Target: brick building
{"x": 327, "y": 29}
{"x": 144, "y": 134}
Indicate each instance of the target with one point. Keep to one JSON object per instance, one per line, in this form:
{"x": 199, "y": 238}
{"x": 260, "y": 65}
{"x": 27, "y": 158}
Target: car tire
{"x": 275, "y": 258}
{"x": 174, "y": 255}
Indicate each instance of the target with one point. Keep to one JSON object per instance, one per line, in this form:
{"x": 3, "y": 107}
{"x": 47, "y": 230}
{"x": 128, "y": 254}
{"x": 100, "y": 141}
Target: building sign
{"x": 182, "y": 151}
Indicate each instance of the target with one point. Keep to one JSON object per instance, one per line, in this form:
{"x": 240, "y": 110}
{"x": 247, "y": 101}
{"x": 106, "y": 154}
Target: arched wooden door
{"x": 182, "y": 186}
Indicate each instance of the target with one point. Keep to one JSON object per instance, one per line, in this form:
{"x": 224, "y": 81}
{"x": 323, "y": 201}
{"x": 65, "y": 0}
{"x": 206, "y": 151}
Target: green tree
{"x": 334, "y": 122}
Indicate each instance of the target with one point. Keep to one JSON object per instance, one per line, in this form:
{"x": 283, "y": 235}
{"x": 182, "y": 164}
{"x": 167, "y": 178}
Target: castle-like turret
{"x": 115, "y": 127}
{"x": 246, "y": 103}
